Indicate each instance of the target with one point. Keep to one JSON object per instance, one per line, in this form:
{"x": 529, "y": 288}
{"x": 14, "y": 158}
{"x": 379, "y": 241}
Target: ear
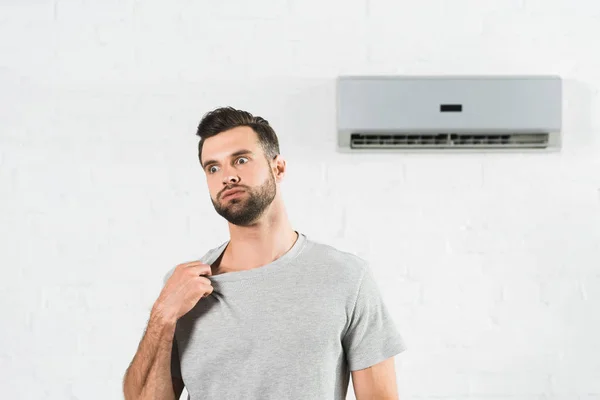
{"x": 279, "y": 166}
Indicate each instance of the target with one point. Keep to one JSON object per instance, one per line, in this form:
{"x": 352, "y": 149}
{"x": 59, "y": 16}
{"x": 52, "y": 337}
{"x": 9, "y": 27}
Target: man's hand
{"x": 184, "y": 288}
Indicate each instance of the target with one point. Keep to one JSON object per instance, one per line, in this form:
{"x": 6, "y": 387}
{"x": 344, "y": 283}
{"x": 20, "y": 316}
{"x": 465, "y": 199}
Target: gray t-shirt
{"x": 291, "y": 329}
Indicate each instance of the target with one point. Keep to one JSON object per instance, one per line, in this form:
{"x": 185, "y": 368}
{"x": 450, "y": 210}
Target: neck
{"x": 259, "y": 244}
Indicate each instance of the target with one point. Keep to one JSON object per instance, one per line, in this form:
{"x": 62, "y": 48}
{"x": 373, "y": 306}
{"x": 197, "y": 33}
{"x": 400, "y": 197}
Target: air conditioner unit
{"x": 449, "y": 113}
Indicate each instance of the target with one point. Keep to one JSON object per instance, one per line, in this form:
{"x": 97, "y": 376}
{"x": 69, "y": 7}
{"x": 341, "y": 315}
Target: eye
{"x": 242, "y": 158}
{"x": 210, "y": 169}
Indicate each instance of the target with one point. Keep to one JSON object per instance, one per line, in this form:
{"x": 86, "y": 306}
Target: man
{"x": 269, "y": 314}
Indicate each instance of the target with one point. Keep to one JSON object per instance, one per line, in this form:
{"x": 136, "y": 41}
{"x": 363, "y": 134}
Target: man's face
{"x": 226, "y": 167}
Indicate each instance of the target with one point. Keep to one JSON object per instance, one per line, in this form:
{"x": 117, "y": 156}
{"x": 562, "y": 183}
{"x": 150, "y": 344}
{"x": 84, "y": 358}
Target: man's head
{"x": 239, "y": 150}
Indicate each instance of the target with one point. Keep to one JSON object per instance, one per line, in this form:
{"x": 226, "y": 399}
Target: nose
{"x": 229, "y": 178}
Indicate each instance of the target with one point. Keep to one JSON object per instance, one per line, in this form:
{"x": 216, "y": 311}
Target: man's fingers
{"x": 198, "y": 267}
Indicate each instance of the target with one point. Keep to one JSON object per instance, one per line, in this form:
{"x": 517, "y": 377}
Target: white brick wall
{"x": 490, "y": 264}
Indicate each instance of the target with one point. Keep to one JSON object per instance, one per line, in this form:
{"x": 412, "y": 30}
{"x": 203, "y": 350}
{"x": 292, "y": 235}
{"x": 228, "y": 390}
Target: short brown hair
{"x": 225, "y": 118}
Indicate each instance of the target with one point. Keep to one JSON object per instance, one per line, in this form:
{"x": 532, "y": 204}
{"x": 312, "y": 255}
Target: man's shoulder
{"x": 340, "y": 262}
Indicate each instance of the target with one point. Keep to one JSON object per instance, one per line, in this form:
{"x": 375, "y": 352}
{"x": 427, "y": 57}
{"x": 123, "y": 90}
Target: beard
{"x": 247, "y": 209}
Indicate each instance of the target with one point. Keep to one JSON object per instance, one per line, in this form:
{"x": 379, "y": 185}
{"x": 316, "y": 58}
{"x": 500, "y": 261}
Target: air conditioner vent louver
{"x": 447, "y": 140}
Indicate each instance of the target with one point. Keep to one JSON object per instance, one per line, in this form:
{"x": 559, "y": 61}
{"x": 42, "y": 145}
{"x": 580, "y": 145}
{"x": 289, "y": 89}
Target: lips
{"x": 230, "y": 192}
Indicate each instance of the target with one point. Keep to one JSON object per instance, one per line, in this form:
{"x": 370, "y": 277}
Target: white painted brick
{"x": 489, "y": 354}
{"x": 590, "y": 289}
{"x": 520, "y": 292}
{"x": 569, "y": 383}
{"x": 346, "y": 10}
{"x": 564, "y": 293}
{"x": 446, "y": 384}
{"x": 589, "y": 397}
{"x": 452, "y": 325}
{"x": 508, "y": 383}
{"x": 399, "y": 292}
{"x": 528, "y": 328}
{"x": 444, "y": 171}
{"x": 258, "y": 10}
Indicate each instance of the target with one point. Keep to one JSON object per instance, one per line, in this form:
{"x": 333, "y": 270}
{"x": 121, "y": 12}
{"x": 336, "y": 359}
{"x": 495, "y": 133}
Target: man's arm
{"x": 149, "y": 374}
{"x": 377, "y": 382}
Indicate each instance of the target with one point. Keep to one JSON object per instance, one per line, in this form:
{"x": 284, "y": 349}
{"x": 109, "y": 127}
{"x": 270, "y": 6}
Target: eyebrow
{"x": 232, "y": 155}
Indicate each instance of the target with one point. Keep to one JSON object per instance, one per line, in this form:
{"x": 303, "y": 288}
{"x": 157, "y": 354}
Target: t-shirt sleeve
{"x": 175, "y": 363}
{"x": 371, "y": 336}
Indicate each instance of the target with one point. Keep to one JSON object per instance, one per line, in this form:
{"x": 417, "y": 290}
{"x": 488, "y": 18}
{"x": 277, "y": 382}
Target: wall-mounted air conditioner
{"x": 452, "y": 112}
